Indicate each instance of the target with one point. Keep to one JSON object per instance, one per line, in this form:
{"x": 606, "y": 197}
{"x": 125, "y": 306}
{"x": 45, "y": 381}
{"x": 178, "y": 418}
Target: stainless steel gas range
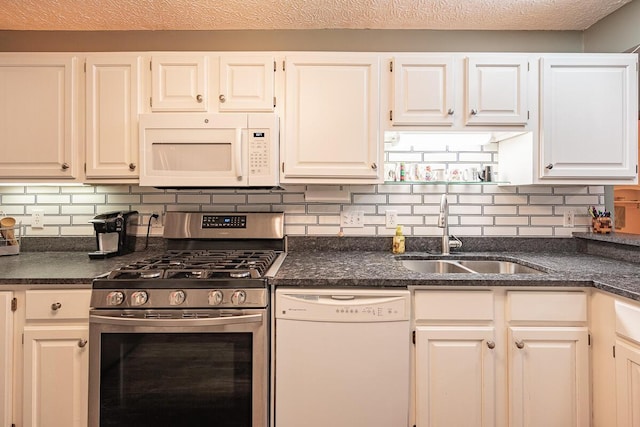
{"x": 182, "y": 338}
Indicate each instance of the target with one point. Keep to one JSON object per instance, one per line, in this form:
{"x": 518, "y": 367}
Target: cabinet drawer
{"x": 628, "y": 321}
{"x": 454, "y": 305}
{"x": 52, "y": 304}
{"x": 552, "y": 306}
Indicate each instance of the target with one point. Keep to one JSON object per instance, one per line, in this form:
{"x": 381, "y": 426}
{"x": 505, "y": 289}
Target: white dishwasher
{"x": 342, "y": 358}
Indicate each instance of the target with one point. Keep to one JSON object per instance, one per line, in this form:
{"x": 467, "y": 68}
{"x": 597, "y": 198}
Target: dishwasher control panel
{"x": 342, "y": 306}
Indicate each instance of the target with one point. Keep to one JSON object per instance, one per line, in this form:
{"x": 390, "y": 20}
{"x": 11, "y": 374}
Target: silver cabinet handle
{"x": 56, "y": 306}
{"x": 132, "y": 166}
{"x": 374, "y": 166}
{"x": 222, "y": 98}
{"x": 474, "y": 112}
{"x": 491, "y": 345}
{"x": 520, "y": 344}
{"x": 82, "y": 343}
{"x": 199, "y": 98}
{"x": 549, "y": 166}
{"x": 65, "y": 166}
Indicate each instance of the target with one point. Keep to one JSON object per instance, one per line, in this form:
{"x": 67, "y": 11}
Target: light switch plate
{"x": 352, "y": 219}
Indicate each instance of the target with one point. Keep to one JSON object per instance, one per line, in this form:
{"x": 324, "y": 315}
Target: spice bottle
{"x": 398, "y": 241}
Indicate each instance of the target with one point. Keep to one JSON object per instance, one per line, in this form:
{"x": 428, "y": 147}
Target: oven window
{"x": 169, "y": 379}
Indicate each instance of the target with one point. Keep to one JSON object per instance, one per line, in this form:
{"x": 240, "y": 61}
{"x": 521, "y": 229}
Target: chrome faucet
{"x": 443, "y": 222}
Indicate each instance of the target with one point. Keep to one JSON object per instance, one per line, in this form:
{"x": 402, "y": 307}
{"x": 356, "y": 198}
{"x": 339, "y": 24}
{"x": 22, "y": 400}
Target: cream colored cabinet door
{"x": 331, "y": 119}
{"x": 628, "y": 384}
{"x": 247, "y": 83}
{"x": 589, "y": 116}
{"x": 6, "y": 359}
{"x": 112, "y": 107}
{"x": 496, "y": 90}
{"x": 423, "y": 90}
{"x": 38, "y": 116}
{"x": 456, "y": 376}
{"x": 56, "y": 368}
{"x": 548, "y": 370}
{"x": 179, "y": 82}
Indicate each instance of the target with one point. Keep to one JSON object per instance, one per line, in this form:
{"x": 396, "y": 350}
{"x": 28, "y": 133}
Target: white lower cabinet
{"x": 501, "y": 358}
{"x": 6, "y": 358}
{"x": 627, "y": 362}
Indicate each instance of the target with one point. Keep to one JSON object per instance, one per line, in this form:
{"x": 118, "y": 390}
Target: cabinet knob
{"x": 56, "y": 306}
{"x": 199, "y": 98}
{"x": 520, "y": 344}
{"x": 374, "y": 166}
{"x": 549, "y": 166}
{"x": 82, "y": 343}
{"x": 65, "y": 166}
{"x": 132, "y": 166}
{"x": 450, "y": 111}
{"x": 222, "y": 98}
{"x": 491, "y": 345}
{"x": 474, "y": 112}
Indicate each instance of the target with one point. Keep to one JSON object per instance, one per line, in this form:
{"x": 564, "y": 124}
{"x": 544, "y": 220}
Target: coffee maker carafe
{"x": 111, "y": 234}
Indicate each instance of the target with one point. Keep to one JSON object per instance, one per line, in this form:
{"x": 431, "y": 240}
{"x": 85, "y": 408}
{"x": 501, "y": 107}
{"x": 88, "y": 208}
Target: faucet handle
{"x": 455, "y": 243}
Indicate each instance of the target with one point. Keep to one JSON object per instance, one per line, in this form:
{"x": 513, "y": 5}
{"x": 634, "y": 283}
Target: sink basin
{"x": 467, "y": 266}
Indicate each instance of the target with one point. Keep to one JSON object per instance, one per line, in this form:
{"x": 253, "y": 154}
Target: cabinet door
{"x": 112, "y": 108}
{"x": 179, "y": 83}
{"x": 423, "y": 90}
{"x": 548, "y": 377}
{"x": 6, "y": 358}
{"x": 246, "y": 83}
{"x": 332, "y": 117}
{"x": 55, "y": 376}
{"x": 496, "y": 91}
{"x": 589, "y": 117}
{"x": 628, "y": 384}
{"x": 38, "y": 116}
{"x": 455, "y": 376}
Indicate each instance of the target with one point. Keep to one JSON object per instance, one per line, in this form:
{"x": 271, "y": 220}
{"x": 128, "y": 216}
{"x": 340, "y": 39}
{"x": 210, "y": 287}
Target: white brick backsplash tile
{"x": 408, "y": 157}
{"x": 439, "y": 157}
{"x": 465, "y": 231}
{"x": 546, "y": 220}
{"x": 429, "y": 189}
{"x": 537, "y": 190}
{"x": 476, "y": 220}
{"x": 89, "y": 198}
{"x": 511, "y": 220}
{"x": 476, "y": 200}
{"x": 535, "y": 210}
{"x": 582, "y": 200}
{"x": 367, "y": 209}
{"x": 405, "y": 199}
{"x": 77, "y": 209}
{"x": 254, "y": 208}
{"x": 326, "y": 230}
{"x": 465, "y": 189}
{"x": 571, "y": 190}
{"x": 515, "y": 199}
{"x": 264, "y": 198}
{"x": 81, "y": 219}
{"x": 293, "y": 198}
{"x": 398, "y": 208}
{"x": 54, "y": 231}
{"x": 496, "y": 189}
{"x": 229, "y": 199}
{"x": 355, "y": 231}
{"x": 290, "y": 209}
{"x": 535, "y": 231}
{"x": 563, "y": 232}
{"x": 330, "y": 219}
{"x": 464, "y": 210}
{"x": 594, "y": 189}
{"x": 365, "y": 189}
{"x": 83, "y": 189}
{"x": 158, "y": 198}
{"x": 43, "y": 189}
{"x": 102, "y": 209}
{"x": 546, "y": 200}
{"x": 435, "y": 199}
{"x": 77, "y": 230}
{"x": 295, "y": 230}
{"x": 427, "y": 231}
{"x": 369, "y": 199}
{"x": 476, "y": 157}
{"x": 48, "y": 209}
{"x": 123, "y": 199}
{"x": 394, "y": 188}
{"x": 407, "y": 219}
{"x": 13, "y": 189}
{"x": 21, "y": 199}
{"x": 499, "y": 231}
{"x": 194, "y": 199}
{"x": 12, "y": 210}
{"x": 499, "y": 210}
{"x": 426, "y": 209}
{"x": 301, "y": 219}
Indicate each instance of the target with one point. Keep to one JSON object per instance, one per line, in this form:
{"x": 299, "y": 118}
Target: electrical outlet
{"x": 568, "y": 219}
{"x": 391, "y": 219}
{"x": 37, "y": 218}
{"x": 159, "y": 221}
{"x": 352, "y": 219}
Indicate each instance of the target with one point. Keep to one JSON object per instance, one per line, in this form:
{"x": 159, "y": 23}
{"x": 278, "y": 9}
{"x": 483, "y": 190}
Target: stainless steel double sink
{"x": 467, "y": 266}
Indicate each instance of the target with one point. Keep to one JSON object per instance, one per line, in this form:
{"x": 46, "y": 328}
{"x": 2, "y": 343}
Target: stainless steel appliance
{"x": 111, "y": 234}
{"x": 209, "y": 150}
{"x": 182, "y": 338}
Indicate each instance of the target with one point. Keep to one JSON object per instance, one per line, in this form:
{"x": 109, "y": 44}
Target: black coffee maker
{"x": 111, "y": 234}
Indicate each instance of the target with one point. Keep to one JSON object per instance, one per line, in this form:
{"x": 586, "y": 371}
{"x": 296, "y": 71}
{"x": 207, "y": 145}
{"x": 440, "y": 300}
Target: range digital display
{"x": 226, "y": 221}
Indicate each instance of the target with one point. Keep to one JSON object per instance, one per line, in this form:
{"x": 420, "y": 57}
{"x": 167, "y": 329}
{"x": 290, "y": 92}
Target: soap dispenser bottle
{"x": 398, "y": 241}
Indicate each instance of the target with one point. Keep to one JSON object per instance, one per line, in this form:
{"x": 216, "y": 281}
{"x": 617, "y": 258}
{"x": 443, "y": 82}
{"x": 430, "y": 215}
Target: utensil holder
{"x": 10, "y": 239}
{"x": 601, "y": 225}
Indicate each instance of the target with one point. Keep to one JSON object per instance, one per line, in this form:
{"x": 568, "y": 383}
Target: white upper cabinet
{"x": 496, "y": 91}
{"x": 113, "y": 93}
{"x": 331, "y": 119}
{"x": 38, "y": 116}
{"x": 179, "y": 82}
{"x": 246, "y": 83}
{"x": 589, "y": 116}
{"x": 423, "y": 90}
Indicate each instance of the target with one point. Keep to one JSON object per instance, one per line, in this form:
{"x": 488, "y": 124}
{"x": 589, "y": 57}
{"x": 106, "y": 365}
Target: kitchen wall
{"x": 615, "y": 33}
{"x": 475, "y": 209}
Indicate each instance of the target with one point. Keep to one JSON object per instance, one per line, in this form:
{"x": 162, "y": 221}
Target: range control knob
{"x": 177, "y": 297}
{"x": 115, "y": 298}
{"x": 139, "y": 298}
{"x": 215, "y": 297}
{"x": 238, "y": 297}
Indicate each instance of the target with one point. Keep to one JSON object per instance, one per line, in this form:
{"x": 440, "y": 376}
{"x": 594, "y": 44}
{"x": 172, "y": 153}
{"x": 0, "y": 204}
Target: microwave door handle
{"x": 239, "y": 162}
{"x": 202, "y": 321}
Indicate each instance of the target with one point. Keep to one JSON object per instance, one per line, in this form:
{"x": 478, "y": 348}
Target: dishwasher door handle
{"x": 343, "y": 297}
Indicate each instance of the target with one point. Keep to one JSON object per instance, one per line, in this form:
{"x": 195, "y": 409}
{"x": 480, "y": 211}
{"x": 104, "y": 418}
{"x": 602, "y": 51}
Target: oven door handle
{"x": 206, "y": 321}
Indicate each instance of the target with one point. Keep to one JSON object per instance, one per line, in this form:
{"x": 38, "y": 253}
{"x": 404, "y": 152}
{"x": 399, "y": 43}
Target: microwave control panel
{"x": 259, "y": 152}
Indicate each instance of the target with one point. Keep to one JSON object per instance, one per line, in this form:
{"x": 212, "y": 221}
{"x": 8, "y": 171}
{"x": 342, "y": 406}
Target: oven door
{"x": 178, "y": 372}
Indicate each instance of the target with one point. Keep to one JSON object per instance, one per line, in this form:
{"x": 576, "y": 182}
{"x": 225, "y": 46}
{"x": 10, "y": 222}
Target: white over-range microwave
{"x": 209, "y": 150}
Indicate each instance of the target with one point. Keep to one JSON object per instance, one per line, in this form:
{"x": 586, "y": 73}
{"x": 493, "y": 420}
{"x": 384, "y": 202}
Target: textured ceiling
{"x": 93, "y": 15}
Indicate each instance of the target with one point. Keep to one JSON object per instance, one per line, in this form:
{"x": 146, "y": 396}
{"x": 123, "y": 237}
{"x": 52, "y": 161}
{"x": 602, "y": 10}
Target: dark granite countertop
{"x": 351, "y": 268}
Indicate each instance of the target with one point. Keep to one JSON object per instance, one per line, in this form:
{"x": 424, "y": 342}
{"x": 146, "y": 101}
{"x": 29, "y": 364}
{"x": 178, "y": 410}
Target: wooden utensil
{"x": 6, "y": 229}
